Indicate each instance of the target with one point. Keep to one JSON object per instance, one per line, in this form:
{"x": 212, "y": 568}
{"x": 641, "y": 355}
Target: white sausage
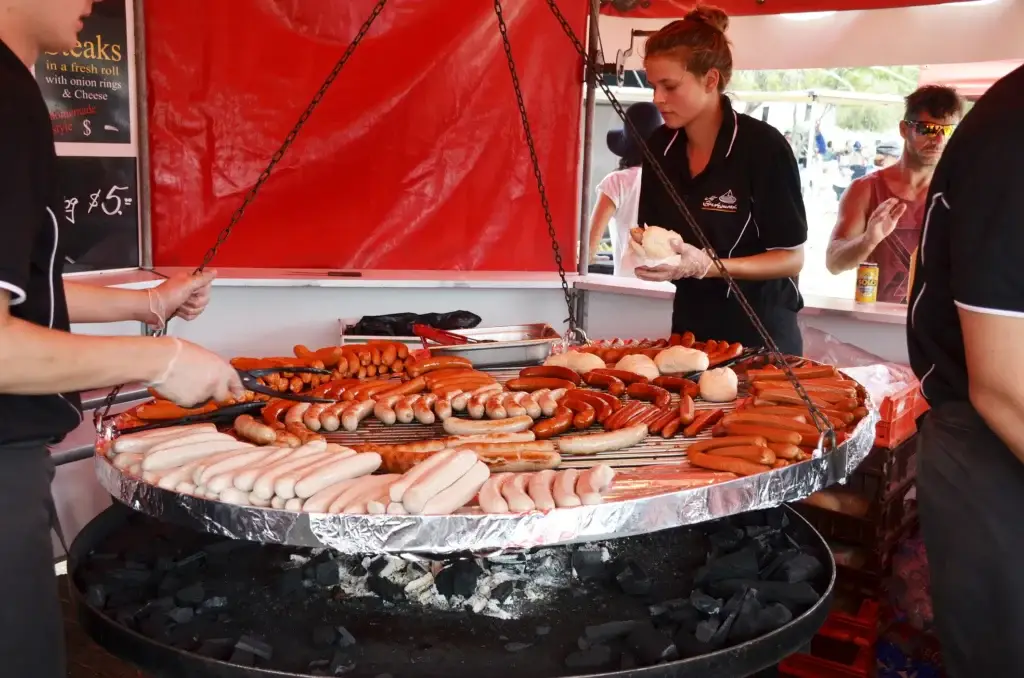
{"x": 360, "y": 503}
{"x": 134, "y": 470}
{"x": 593, "y": 482}
{"x": 245, "y": 480}
{"x": 330, "y": 419}
{"x": 514, "y": 492}
{"x": 521, "y": 437}
{"x": 378, "y": 505}
{"x": 397, "y": 491}
{"x": 188, "y": 439}
{"x": 293, "y": 504}
{"x": 363, "y": 488}
{"x": 233, "y": 495}
{"x": 355, "y": 413}
{"x": 384, "y": 410}
{"x": 403, "y": 409}
{"x": 142, "y": 442}
{"x": 513, "y": 404}
{"x": 177, "y": 456}
{"x": 284, "y": 485}
{"x": 438, "y": 479}
{"x": 397, "y": 509}
{"x": 322, "y": 500}
{"x": 257, "y": 500}
{"x": 545, "y": 401}
{"x": 443, "y": 406}
{"x": 352, "y": 466}
{"x": 304, "y": 456}
{"x": 311, "y": 417}
{"x": 461, "y": 401}
{"x": 490, "y": 498}
{"x": 564, "y": 488}
{"x": 459, "y": 493}
{"x": 457, "y": 426}
{"x": 592, "y": 443}
{"x": 209, "y": 468}
{"x": 185, "y": 488}
{"x": 539, "y": 489}
{"x": 182, "y": 474}
{"x": 422, "y": 409}
{"x": 494, "y": 407}
{"x": 295, "y": 412}
{"x": 123, "y": 461}
{"x": 532, "y": 405}
{"x": 277, "y": 502}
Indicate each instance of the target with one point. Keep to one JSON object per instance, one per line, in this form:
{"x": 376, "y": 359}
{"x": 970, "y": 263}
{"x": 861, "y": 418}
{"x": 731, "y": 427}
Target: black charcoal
{"x": 323, "y": 636}
{"x": 256, "y": 646}
{"x": 341, "y": 664}
{"x": 136, "y": 565}
{"x": 796, "y": 597}
{"x": 589, "y": 564}
{"x": 467, "y": 573}
{"x": 222, "y": 547}
{"x": 223, "y": 619}
{"x": 650, "y": 645}
{"x": 633, "y": 580}
{"x": 593, "y": 657}
{"x": 290, "y": 582}
{"x": 181, "y": 615}
{"x": 126, "y": 596}
{"x": 162, "y": 604}
{"x": 705, "y": 604}
{"x": 445, "y": 582}
{"x": 96, "y": 596}
{"x": 800, "y": 568}
{"x": 722, "y": 634}
{"x": 168, "y": 585}
{"x": 542, "y": 630}
{"x": 191, "y": 595}
{"x": 739, "y": 565}
{"x": 628, "y": 661}
{"x": 777, "y": 518}
{"x": 242, "y": 658}
{"x": 773, "y": 617}
{"x": 163, "y": 564}
{"x": 747, "y": 625}
{"x": 517, "y": 647}
{"x": 127, "y": 616}
{"x": 318, "y": 667}
{"x": 328, "y": 574}
{"x": 502, "y": 591}
{"x": 706, "y": 629}
{"x": 345, "y": 638}
{"x": 357, "y": 570}
{"x": 129, "y": 577}
{"x": 600, "y": 633}
{"x": 215, "y": 603}
{"x": 726, "y": 540}
{"x": 154, "y": 627}
{"x": 216, "y": 648}
{"x": 377, "y": 565}
{"x": 385, "y": 588}
{"x": 688, "y": 646}
{"x": 192, "y": 564}
{"x": 687, "y": 616}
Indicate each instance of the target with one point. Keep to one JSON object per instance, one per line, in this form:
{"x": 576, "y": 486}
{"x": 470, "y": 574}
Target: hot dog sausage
{"x": 539, "y": 488}
{"x": 423, "y": 409}
{"x": 311, "y": 417}
{"x": 514, "y": 492}
{"x": 459, "y": 493}
{"x": 330, "y": 418}
{"x": 551, "y": 372}
{"x": 687, "y": 409}
{"x": 410, "y": 387}
{"x": 532, "y": 406}
{"x": 784, "y": 422}
{"x": 384, "y": 409}
{"x": 336, "y": 470}
{"x": 730, "y": 352}
{"x": 559, "y": 423}
{"x": 438, "y": 479}
{"x": 397, "y": 490}
{"x": 649, "y": 393}
{"x": 593, "y": 482}
{"x": 772, "y": 435}
{"x": 458, "y": 426}
{"x": 322, "y": 500}
{"x": 726, "y": 441}
{"x": 608, "y": 382}
{"x": 432, "y": 363}
{"x": 456, "y": 441}
{"x": 659, "y": 423}
{"x": 815, "y": 372}
{"x": 740, "y": 467}
{"x": 404, "y": 412}
{"x": 250, "y": 429}
{"x": 702, "y": 421}
{"x": 602, "y": 442}
{"x": 512, "y": 402}
{"x": 620, "y": 416}
{"x": 537, "y": 383}
{"x": 564, "y": 488}
{"x": 443, "y": 407}
{"x": 671, "y": 428}
{"x": 355, "y": 413}
{"x": 494, "y": 407}
{"x": 584, "y": 414}
{"x": 490, "y": 498}
{"x": 623, "y": 376}
{"x": 786, "y": 451}
{"x": 503, "y": 447}
{"x": 754, "y": 453}
{"x": 461, "y": 401}
{"x": 600, "y": 406}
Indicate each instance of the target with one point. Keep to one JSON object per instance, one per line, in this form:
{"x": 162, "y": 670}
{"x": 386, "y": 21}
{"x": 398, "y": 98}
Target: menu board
{"x": 99, "y": 217}
{"x": 87, "y": 89}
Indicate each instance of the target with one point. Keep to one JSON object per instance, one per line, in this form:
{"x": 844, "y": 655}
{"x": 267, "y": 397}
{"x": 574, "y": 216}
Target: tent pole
{"x": 142, "y": 136}
{"x": 588, "y": 134}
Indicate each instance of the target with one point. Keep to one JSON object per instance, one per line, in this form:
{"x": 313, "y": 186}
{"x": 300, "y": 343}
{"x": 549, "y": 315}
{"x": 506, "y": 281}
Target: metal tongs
{"x": 250, "y": 379}
{"x": 442, "y": 337}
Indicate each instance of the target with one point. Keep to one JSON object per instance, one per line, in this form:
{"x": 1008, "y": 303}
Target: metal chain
{"x": 264, "y": 175}
{"x": 574, "y": 331}
{"x": 820, "y": 420}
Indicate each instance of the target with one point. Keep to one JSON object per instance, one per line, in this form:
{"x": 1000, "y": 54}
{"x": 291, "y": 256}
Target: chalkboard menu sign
{"x": 99, "y": 215}
{"x": 87, "y": 88}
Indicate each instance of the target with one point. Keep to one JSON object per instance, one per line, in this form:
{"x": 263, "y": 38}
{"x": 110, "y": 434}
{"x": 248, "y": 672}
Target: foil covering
{"x": 645, "y": 499}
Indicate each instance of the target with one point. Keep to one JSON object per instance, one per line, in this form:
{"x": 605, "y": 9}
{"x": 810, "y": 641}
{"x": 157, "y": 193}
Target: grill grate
{"x": 653, "y": 450}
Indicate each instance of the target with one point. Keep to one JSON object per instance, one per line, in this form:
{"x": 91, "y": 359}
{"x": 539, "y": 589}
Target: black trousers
{"x": 31, "y": 623}
{"x": 971, "y": 500}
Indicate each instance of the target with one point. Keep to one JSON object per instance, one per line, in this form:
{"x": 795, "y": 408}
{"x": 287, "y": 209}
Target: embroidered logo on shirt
{"x": 720, "y": 203}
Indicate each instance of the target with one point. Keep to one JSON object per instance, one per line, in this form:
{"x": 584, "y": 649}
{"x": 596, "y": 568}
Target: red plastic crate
{"x": 843, "y": 648}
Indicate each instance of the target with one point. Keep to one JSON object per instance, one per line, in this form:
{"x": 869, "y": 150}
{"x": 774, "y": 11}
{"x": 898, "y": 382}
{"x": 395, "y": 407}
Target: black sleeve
{"x": 653, "y": 196}
{"x": 17, "y": 222}
{"x": 778, "y": 201}
{"x": 986, "y": 228}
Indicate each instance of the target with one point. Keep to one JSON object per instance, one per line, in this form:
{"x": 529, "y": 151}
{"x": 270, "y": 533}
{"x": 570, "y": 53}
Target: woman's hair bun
{"x": 712, "y": 16}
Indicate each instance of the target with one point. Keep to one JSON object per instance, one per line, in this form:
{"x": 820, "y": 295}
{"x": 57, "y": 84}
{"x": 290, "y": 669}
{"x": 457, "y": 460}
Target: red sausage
{"x": 551, "y": 372}
{"x": 653, "y": 394}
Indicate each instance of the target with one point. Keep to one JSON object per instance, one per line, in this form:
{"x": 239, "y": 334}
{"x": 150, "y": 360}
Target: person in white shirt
{"x": 618, "y": 194}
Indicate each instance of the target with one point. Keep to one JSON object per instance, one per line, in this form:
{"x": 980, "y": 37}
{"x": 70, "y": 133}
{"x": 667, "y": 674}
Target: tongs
{"x": 250, "y": 379}
{"x": 227, "y": 413}
{"x": 442, "y": 337}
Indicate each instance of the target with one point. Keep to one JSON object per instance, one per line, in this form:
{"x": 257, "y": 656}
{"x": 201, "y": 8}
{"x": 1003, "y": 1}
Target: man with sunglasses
{"x": 965, "y": 333}
{"x": 881, "y": 214}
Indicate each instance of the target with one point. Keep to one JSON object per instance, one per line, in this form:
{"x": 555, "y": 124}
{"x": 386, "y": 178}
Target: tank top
{"x": 894, "y": 254}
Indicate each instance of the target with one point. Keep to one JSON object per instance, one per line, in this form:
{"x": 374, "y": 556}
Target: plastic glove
{"x": 692, "y": 263}
{"x": 194, "y": 375}
{"x": 184, "y": 295}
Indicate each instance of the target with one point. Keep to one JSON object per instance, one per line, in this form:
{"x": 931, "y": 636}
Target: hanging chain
{"x": 104, "y": 409}
{"x": 820, "y": 420}
{"x": 574, "y": 332}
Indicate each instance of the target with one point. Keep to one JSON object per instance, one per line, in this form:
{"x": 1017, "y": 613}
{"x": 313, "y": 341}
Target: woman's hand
{"x": 692, "y": 263}
{"x": 184, "y": 295}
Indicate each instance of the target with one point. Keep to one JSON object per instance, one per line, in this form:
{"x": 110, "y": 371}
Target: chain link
{"x": 821, "y": 421}
{"x": 104, "y": 409}
{"x": 574, "y": 332}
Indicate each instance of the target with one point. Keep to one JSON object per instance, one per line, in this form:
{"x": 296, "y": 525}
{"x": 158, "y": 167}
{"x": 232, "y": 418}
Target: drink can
{"x": 867, "y": 283}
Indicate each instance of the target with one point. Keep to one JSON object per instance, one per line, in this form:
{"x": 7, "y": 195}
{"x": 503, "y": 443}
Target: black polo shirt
{"x": 30, "y": 259}
{"x": 972, "y": 244}
{"x": 746, "y": 201}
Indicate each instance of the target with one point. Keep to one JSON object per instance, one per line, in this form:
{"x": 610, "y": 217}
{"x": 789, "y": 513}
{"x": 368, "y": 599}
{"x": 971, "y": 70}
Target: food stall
{"x": 264, "y": 306}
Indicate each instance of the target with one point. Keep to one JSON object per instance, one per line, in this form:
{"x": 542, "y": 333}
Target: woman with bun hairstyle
{"x": 738, "y": 177}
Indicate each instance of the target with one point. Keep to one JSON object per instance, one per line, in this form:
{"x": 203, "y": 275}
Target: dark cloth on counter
{"x": 970, "y": 491}
{"x": 31, "y": 622}
{"x": 747, "y": 201}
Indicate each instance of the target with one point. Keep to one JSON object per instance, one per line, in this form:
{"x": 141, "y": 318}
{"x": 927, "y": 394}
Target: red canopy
{"x": 971, "y": 80}
{"x": 671, "y": 9}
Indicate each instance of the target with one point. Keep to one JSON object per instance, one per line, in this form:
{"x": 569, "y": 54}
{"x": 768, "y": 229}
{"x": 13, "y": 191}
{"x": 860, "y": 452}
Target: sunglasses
{"x": 931, "y": 129}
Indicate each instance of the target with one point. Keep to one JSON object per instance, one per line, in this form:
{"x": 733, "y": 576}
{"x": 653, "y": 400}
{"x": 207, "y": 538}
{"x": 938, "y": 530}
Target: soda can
{"x": 867, "y": 284}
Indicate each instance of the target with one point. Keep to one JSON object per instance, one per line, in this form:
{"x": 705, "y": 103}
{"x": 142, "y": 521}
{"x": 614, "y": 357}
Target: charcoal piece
{"x": 467, "y": 574}
{"x": 129, "y": 577}
{"x": 726, "y": 540}
{"x": 705, "y": 604}
{"x": 777, "y": 518}
{"x": 686, "y": 616}
{"x": 796, "y": 597}
{"x": 191, "y": 595}
{"x": 593, "y": 657}
{"x": 502, "y": 591}
{"x": 663, "y": 608}
{"x": 445, "y": 582}
{"x": 706, "y": 630}
{"x": 181, "y": 615}
{"x": 215, "y": 603}
{"x": 328, "y": 574}
{"x": 242, "y": 658}
{"x": 128, "y": 595}
{"x": 633, "y": 580}
{"x": 103, "y": 557}
{"x": 688, "y": 646}
{"x": 357, "y": 570}
{"x": 191, "y": 565}
{"x": 741, "y": 564}
{"x": 163, "y": 564}
{"x": 222, "y": 547}
{"x": 517, "y": 647}
{"x": 759, "y": 531}
{"x": 323, "y": 636}
{"x": 722, "y": 634}
{"x": 582, "y": 643}
{"x": 747, "y": 625}
{"x": 628, "y": 661}
{"x": 168, "y": 585}
{"x": 800, "y": 568}
{"x": 602, "y": 633}
{"x": 223, "y": 619}
{"x": 136, "y": 565}
{"x": 589, "y": 564}
{"x": 542, "y": 630}
{"x": 154, "y": 627}
{"x": 290, "y": 582}
{"x": 345, "y": 638}
{"x": 318, "y": 667}
{"x": 773, "y": 617}
{"x": 385, "y": 588}
{"x": 256, "y": 646}
{"x": 341, "y": 664}
{"x": 377, "y": 565}
{"x": 650, "y": 645}
{"x": 778, "y": 558}
{"x": 161, "y": 605}
{"x": 96, "y": 596}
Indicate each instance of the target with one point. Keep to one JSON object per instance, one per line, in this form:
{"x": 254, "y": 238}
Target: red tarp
{"x": 673, "y": 9}
{"x": 971, "y": 80}
{"x": 415, "y": 159}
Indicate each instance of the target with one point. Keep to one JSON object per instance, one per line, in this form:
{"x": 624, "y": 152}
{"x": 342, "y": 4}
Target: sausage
{"x": 234, "y": 496}
{"x": 210, "y": 468}
{"x": 163, "y": 458}
{"x": 422, "y": 409}
{"x": 815, "y": 372}
{"x": 608, "y": 382}
{"x": 162, "y": 410}
{"x": 547, "y": 401}
{"x": 284, "y": 485}
{"x": 619, "y": 415}
{"x": 840, "y": 392}
{"x": 457, "y": 426}
{"x": 354, "y": 414}
{"x": 623, "y": 376}
{"x": 334, "y": 471}
{"x": 322, "y": 500}
{"x": 726, "y": 441}
{"x": 687, "y": 340}
{"x": 404, "y": 412}
{"x": 311, "y": 417}
{"x": 537, "y": 383}
{"x": 457, "y": 441}
{"x": 330, "y": 418}
{"x": 443, "y": 407}
{"x": 408, "y": 388}
{"x": 250, "y": 429}
{"x": 784, "y": 422}
{"x": 725, "y": 354}
{"x": 602, "y": 442}
{"x": 786, "y": 451}
{"x": 680, "y": 385}
{"x": 514, "y": 492}
{"x": 539, "y": 489}
{"x": 600, "y": 406}
{"x": 710, "y": 346}
{"x": 438, "y": 479}
{"x": 293, "y": 417}
{"x": 273, "y": 410}
{"x": 608, "y": 398}
{"x": 477, "y": 406}
{"x": 285, "y": 439}
{"x": 593, "y": 482}
{"x": 564, "y": 489}
{"x": 740, "y": 467}
{"x": 460, "y": 402}
{"x": 142, "y": 442}
{"x": 656, "y": 426}
{"x": 559, "y": 423}
{"x": 357, "y": 392}
{"x": 303, "y": 457}
{"x": 671, "y": 428}
{"x": 459, "y": 493}
{"x": 532, "y": 405}
{"x": 373, "y": 487}
{"x": 650, "y": 393}
{"x": 384, "y": 409}
{"x": 754, "y": 453}
{"x": 513, "y": 404}
{"x": 687, "y": 409}
{"x": 494, "y": 408}
{"x": 490, "y": 497}
{"x": 174, "y": 477}
{"x": 640, "y": 415}
{"x": 836, "y": 418}
{"x": 488, "y": 448}
{"x": 432, "y": 363}
{"x": 702, "y": 421}
{"x": 772, "y": 435}
{"x": 584, "y": 414}
{"x": 551, "y": 372}
{"x": 397, "y": 490}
